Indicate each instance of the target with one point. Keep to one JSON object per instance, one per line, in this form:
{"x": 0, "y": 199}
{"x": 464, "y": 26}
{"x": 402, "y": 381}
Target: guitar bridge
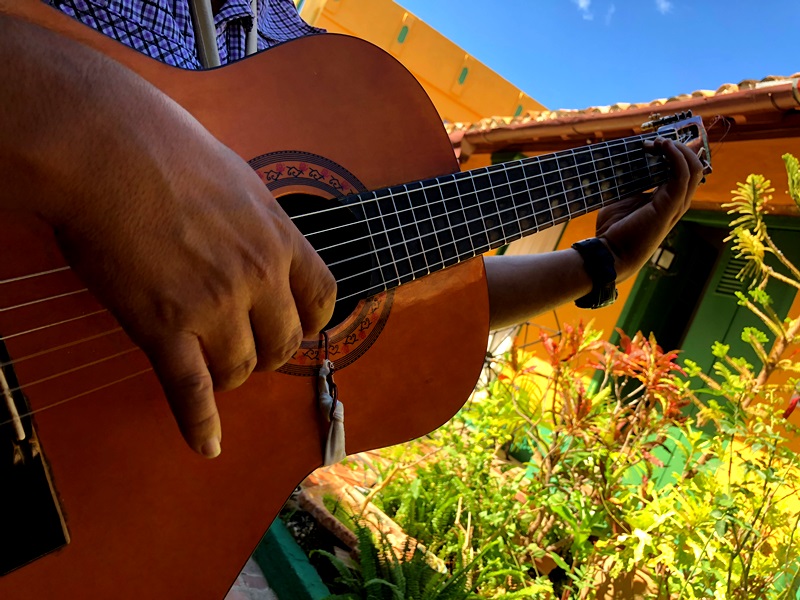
{"x": 31, "y": 523}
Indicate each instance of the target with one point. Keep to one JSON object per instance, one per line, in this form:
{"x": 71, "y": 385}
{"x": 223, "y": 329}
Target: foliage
{"x": 550, "y": 485}
{"x": 380, "y": 574}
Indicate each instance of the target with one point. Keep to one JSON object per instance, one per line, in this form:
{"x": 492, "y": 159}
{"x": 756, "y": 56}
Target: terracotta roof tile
{"x": 532, "y": 117}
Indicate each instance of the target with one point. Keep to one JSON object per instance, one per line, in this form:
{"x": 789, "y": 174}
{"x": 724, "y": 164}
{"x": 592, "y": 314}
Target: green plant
{"x": 380, "y": 574}
{"x": 618, "y": 485}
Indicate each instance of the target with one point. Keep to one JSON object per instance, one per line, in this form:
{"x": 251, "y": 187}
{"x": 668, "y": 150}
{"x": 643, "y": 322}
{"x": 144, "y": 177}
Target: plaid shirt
{"x": 163, "y": 29}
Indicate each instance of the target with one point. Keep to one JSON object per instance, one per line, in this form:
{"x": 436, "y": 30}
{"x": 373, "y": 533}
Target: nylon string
{"x": 394, "y": 229}
{"x": 505, "y": 169}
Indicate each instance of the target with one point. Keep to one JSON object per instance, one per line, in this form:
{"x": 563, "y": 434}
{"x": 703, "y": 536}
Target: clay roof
{"x": 763, "y": 103}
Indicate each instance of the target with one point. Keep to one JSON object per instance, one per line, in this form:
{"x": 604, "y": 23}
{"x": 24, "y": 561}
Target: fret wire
{"x": 475, "y": 252}
{"x": 496, "y": 205}
{"x": 355, "y": 294}
{"x": 446, "y": 214}
{"x": 529, "y": 191}
{"x": 544, "y": 186}
{"x": 433, "y": 225}
{"x": 458, "y": 198}
{"x": 564, "y": 187}
{"x": 469, "y": 177}
{"x": 372, "y": 237}
{"x": 501, "y": 224}
{"x": 615, "y": 180}
{"x": 399, "y": 229}
{"x": 513, "y": 205}
{"x": 437, "y": 182}
{"x": 469, "y": 255}
{"x": 591, "y": 164}
{"x": 450, "y": 223}
{"x": 388, "y": 241}
{"x": 416, "y": 226}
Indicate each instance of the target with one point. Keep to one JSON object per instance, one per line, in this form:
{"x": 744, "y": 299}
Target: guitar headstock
{"x": 686, "y": 129}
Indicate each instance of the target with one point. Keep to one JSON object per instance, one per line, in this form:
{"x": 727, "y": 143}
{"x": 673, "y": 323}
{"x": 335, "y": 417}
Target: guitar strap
{"x": 205, "y": 32}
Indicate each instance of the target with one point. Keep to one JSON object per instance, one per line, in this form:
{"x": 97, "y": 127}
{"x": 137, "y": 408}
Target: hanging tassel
{"x": 333, "y": 410}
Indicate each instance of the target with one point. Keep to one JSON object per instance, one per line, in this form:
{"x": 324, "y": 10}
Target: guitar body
{"x": 146, "y": 517}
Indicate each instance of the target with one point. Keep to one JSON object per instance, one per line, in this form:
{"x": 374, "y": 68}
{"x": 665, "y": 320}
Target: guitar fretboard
{"x": 421, "y": 227}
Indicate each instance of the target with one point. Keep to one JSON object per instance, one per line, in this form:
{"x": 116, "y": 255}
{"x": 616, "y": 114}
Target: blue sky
{"x": 579, "y": 53}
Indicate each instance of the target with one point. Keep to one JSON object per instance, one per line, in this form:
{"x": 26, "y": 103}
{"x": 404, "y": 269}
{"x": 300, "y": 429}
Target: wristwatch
{"x": 599, "y": 264}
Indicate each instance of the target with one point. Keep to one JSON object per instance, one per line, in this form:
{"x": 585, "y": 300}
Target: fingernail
{"x": 212, "y": 448}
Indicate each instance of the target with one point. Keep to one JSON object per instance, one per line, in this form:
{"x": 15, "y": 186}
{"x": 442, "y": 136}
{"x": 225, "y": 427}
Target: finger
{"x": 313, "y": 288}
{"x": 695, "y": 168}
{"x": 276, "y": 329}
{"x": 691, "y": 165}
{"x": 610, "y": 214}
{"x": 181, "y": 368}
{"x": 669, "y": 199}
{"x": 231, "y": 352}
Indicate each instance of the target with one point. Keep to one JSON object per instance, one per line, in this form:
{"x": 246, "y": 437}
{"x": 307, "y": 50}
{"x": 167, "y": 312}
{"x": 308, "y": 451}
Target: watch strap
{"x": 599, "y": 264}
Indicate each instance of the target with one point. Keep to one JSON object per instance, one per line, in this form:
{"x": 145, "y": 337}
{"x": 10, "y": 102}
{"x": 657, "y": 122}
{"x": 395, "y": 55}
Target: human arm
{"x": 170, "y": 229}
{"x": 632, "y": 229}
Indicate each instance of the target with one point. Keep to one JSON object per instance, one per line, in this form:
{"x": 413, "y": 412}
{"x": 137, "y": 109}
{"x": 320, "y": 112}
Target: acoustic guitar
{"x": 100, "y": 497}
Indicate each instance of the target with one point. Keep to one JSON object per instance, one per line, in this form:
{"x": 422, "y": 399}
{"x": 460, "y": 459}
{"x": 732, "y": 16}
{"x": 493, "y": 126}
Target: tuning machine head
{"x": 686, "y": 129}
{"x": 657, "y": 121}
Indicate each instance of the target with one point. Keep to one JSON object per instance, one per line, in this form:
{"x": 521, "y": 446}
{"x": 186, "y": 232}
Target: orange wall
{"x": 462, "y": 88}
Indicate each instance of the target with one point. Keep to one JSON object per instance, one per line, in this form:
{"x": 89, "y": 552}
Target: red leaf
{"x": 792, "y": 405}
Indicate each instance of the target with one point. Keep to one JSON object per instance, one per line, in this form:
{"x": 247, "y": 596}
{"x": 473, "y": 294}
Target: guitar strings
{"x": 484, "y": 171}
{"x": 455, "y": 178}
{"x": 462, "y": 209}
{"x": 79, "y": 395}
{"x": 493, "y": 201}
{"x": 32, "y": 275}
{"x": 483, "y": 217}
{"x": 523, "y": 232}
{"x": 64, "y": 346}
{"x": 83, "y": 366}
{"x": 415, "y": 275}
{"x": 29, "y": 384}
{"x": 410, "y": 256}
{"x": 71, "y": 344}
{"x": 49, "y": 325}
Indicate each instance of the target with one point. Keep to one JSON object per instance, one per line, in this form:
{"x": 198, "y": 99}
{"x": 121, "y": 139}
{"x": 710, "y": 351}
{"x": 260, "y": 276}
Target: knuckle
{"x": 279, "y": 353}
{"x": 326, "y": 293}
{"x": 232, "y": 376}
{"x": 193, "y": 385}
{"x": 188, "y": 397}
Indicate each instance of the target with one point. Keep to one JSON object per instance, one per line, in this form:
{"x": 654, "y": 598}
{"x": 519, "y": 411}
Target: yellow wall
{"x": 462, "y": 88}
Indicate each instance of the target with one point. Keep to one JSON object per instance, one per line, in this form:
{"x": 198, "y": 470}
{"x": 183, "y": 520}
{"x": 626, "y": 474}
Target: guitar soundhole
{"x": 341, "y": 240}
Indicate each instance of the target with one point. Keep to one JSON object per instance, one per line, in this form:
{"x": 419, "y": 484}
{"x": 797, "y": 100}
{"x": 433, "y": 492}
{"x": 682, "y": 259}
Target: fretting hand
{"x": 633, "y": 228}
{"x": 526, "y": 285}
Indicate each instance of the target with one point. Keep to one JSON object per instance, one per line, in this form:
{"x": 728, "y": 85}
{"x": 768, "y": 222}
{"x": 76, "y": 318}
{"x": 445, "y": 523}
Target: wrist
{"x": 599, "y": 264}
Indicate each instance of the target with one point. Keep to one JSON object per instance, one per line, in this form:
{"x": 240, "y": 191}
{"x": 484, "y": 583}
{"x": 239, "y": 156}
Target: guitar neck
{"x": 421, "y": 227}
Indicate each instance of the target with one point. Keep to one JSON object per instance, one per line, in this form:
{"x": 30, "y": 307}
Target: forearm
{"x": 64, "y": 109}
{"x": 523, "y": 286}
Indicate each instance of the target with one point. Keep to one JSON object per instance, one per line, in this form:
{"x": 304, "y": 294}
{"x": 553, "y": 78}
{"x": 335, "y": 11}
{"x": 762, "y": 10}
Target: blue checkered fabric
{"x": 163, "y": 29}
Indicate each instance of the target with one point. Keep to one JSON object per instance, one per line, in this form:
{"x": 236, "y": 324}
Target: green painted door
{"x": 719, "y": 317}
{"x": 692, "y": 304}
